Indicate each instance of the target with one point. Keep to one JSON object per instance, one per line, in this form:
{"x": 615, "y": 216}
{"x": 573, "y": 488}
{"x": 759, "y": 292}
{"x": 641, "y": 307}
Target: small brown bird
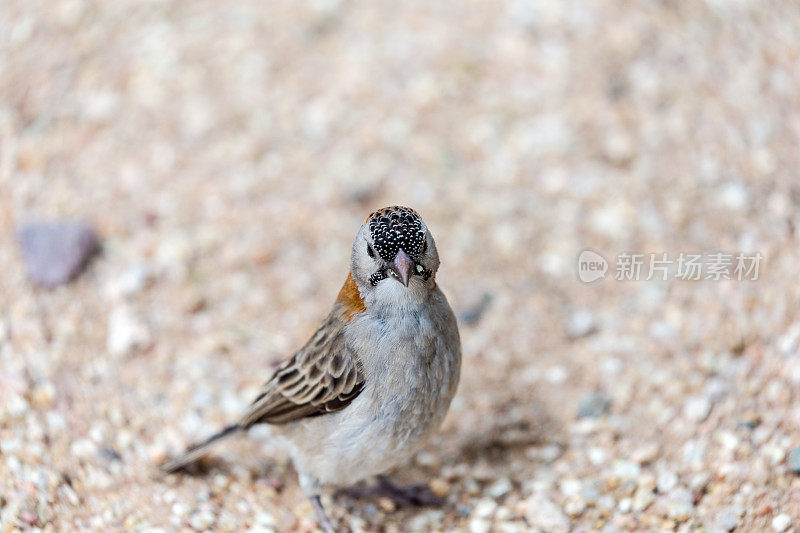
{"x": 376, "y": 379}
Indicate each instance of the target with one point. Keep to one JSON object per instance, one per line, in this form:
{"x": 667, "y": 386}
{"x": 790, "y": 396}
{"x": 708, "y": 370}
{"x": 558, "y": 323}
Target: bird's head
{"x": 394, "y": 255}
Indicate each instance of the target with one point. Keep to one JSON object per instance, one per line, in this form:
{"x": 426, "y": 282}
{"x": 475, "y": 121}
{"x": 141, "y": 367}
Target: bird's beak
{"x": 401, "y": 267}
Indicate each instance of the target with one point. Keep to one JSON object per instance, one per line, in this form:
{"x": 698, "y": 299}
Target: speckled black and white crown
{"x": 396, "y": 227}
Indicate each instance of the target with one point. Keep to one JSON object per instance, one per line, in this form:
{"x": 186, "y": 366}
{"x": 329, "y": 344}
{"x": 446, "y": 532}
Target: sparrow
{"x": 376, "y": 379}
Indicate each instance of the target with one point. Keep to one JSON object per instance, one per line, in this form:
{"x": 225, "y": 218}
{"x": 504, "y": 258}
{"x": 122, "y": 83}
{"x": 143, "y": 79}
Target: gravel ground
{"x": 226, "y": 154}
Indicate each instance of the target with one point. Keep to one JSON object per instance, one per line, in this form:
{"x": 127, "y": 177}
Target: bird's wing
{"x": 323, "y": 377}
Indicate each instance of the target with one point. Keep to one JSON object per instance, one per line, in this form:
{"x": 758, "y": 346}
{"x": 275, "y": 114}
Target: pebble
{"x": 597, "y": 456}
{"x": 485, "y": 508}
{"x": 479, "y": 525}
{"x": 782, "y": 522}
{"x": 439, "y": 487}
{"x": 581, "y": 324}
{"x": 725, "y": 520}
{"x": 542, "y": 513}
{"x": 646, "y": 454}
{"x": 666, "y": 481}
{"x": 387, "y": 504}
{"x": 697, "y": 408}
{"x": 626, "y": 469}
{"x": 680, "y": 506}
{"x": 43, "y": 394}
{"x": 499, "y": 488}
{"x": 594, "y": 406}
{"x": 202, "y": 520}
{"x": 794, "y": 460}
{"x": 546, "y": 454}
{"x": 473, "y": 314}
{"x": 130, "y": 282}
{"x": 126, "y": 332}
{"x": 265, "y": 519}
{"x": 55, "y": 252}
{"x": 15, "y": 407}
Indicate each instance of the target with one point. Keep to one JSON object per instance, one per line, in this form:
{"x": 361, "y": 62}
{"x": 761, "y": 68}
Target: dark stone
{"x": 594, "y": 406}
{"x": 56, "y": 252}
{"x": 794, "y": 460}
{"x": 472, "y": 315}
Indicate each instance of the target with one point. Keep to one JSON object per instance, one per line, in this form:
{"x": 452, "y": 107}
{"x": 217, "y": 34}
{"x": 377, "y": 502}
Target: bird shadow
{"x": 514, "y": 426}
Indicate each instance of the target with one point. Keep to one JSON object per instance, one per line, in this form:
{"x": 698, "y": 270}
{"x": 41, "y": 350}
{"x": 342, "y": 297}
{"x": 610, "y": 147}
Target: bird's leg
{"x": 322, "y": 516}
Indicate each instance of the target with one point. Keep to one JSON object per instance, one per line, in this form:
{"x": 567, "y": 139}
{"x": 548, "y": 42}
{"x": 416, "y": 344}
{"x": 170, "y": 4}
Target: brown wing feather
{"x": 323, "y": 377}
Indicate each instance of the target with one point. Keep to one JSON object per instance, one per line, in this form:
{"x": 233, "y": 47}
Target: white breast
{"x": 411, "y": 361}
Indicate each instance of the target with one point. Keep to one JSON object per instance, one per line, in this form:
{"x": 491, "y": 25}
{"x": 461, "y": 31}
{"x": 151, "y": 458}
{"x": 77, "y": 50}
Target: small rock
{"x": 542, "y": 513}
{"x": 697, "y": 409}
{"x": 386, "y": 504}
{"x": 202, "y": 520}
{"x": 499, "y": 488}
{"x": 130, "y": 281}
{"x": 581, "y": 324}
{"x": 546, "y": 454}
{"x": 43, "y": 394}
{"x": 575, "y": 507}
{"x": 596, "y": 455}
{"x": 725, "y": 520}
{"x": 56, "y": 252}
{"x": 782, "y": 522}
{"x": 626, "y": 470}
{"x": 126, "y": 332}
{"x": 794, "y": 460}
{"x": 439, "y": 487}
{"x": 265, "y": 519}
{"x": 680, "y": 506}
{"x": 427, "y": 460}
{"x": 473, "y": 314}
{"x": 83, "y": 448}
{"x": 666, "y": 481}
{"x": 642, "y": 499}
{"x": 484, "y": 508}
{"x": 646, "y": 454}
{"x": 570, "y": 487}
{"x": 15, "y": 407}
{"x": 594, "y": 406}
{"x": 479, "y": 525}
{"x": 29, "y": 517}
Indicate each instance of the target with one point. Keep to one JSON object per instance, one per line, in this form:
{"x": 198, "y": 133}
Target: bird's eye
{"x": 370, "y": 251}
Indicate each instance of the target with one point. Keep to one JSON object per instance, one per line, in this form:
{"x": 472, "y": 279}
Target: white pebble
{"x": 666, "y": 481}
{"x": 484, "y": 508}
{"x": 542, "y": 513}
{"x": 782, "y": 522}
{"x": 697, "y": 408}
{"x": 479, "y": 525}
{"x": 126, "y": 332}
{"x": 597, "y": 456}
{"x": 265, "y": 519}
{"x": 499, "y": 488}
{"x": 202, "y": 520}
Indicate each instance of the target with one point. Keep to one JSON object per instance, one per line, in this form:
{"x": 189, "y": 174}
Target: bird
{"x": 375, "y": 380}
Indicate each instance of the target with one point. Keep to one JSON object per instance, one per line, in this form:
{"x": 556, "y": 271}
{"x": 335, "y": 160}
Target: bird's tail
{"x": 197, "y": 451}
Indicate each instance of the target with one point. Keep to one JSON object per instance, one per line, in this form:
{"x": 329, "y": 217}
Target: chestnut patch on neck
{"x": 350, "y": 298}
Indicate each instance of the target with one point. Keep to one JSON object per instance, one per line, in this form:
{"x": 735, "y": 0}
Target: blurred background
{"x": 225, "y": 154}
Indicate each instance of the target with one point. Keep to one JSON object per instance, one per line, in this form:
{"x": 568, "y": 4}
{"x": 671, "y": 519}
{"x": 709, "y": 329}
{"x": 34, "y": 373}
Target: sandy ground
{"x": 226, "y": 153}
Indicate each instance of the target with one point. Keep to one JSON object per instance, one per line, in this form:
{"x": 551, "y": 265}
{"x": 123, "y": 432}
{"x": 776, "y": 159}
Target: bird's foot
{"x": 411, "y": 496}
